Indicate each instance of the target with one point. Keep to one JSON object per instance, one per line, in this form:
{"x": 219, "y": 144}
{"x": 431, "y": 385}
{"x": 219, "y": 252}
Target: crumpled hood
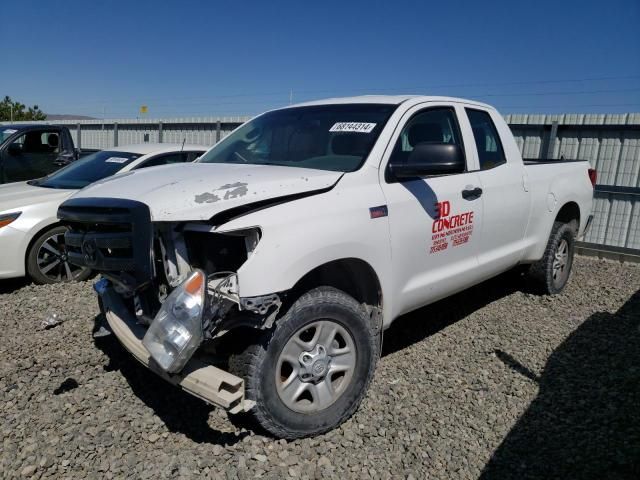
{"x": 16, "y": 196}
{"x": 197, "y": 191}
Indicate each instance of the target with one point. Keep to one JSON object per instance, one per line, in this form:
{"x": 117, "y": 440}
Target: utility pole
{"x": 11, "y": 108}
{"x": 290, "y": 96}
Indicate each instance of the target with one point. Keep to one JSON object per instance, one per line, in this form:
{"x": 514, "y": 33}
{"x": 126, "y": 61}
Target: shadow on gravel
{"x": 12, "y": 284}
{"x": 585, "y": 421}
{"x": 427, "y": 321}
{"x": 180, "y": 411}
{"x": 66, "y": 386}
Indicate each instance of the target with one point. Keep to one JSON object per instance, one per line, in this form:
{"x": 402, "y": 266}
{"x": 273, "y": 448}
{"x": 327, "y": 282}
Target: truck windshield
{"x": 326, "y": 137}
{"x": 87, "y": 170}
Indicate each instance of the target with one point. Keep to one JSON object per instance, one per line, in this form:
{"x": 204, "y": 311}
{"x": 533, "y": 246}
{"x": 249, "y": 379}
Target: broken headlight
{"x": 176, "y": 331}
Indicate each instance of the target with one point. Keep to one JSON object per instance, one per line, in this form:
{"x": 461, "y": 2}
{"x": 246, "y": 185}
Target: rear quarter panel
{"x": 553, "y": 186}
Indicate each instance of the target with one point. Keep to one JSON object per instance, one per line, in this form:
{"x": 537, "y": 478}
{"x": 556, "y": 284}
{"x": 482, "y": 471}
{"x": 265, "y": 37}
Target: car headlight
{"x": 176, "y": 331}
{"x": 7, "y": 218}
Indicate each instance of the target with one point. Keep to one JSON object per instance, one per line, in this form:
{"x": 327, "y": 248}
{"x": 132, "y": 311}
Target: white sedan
{"x": 32, "y": 239}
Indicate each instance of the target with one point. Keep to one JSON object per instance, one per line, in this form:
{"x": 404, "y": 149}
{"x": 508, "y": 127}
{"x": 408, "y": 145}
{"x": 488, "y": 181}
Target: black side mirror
{"x": 15, "y": 149}
{"x": 430, "y": 159}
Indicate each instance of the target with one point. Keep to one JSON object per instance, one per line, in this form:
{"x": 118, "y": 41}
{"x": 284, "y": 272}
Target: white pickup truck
{"x": 261, "y": 277}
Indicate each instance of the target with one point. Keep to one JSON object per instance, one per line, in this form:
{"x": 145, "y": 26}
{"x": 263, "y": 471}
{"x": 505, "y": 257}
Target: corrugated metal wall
{"x": 611, "y": 143}
{"x": 102, "y": 134}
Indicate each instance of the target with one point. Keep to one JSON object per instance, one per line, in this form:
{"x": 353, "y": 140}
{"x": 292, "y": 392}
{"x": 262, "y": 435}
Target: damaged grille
{"x": 109, "y": 235}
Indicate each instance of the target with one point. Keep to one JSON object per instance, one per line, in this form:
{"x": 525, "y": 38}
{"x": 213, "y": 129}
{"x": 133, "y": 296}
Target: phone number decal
{"x": 450, "y": 230}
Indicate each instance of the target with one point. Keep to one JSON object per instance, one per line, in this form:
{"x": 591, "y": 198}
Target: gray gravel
{"x": 494, "y": 382}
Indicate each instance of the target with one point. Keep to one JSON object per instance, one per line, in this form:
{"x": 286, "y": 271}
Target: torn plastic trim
{"x": 233, "y": 213}
{"x": 173, "y": 250}
{"x": 266, "y": 306}
{"x": 222, "y": 292}
{"x": 224, "y": 285}
{"x": 260, "y": 304}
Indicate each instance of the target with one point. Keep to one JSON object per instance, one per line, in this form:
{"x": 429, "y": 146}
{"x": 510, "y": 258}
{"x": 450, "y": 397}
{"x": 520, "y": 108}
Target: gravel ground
{"x": 494, "y": 382}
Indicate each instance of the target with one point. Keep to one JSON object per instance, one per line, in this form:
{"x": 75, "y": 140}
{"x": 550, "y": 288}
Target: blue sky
{"x": 197, "y": 58}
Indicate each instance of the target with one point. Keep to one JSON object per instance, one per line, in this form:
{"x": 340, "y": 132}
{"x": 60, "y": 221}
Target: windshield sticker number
{"x": 116, "y": 160}
{"x": 358, "y": 127}
{"x": 9, "y": 131}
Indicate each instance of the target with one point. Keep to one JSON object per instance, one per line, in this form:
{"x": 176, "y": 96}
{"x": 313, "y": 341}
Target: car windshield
{"x": 326, "y": 137}
{"x": 87, "y": 170}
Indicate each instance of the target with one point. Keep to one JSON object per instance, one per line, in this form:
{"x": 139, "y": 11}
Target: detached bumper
{"x": 207, "y": 382}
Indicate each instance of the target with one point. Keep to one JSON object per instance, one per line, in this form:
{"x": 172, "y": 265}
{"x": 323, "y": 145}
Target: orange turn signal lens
{"x": 195, "y": 283}
{"x": 8, "y": 218}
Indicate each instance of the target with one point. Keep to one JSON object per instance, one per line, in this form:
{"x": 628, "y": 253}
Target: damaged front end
{"x": 177, "y": 281}
{"x": 198, "y": 269}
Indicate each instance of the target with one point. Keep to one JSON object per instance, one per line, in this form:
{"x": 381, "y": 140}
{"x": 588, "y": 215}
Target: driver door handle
{"x": 471, "y": 193}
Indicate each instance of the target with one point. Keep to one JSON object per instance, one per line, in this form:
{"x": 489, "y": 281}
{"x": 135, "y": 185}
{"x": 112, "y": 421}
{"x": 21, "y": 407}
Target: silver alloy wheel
{"x": 560, "y": 261}
{"x": 315, "y": 366}
{"x": 53, "y": 262}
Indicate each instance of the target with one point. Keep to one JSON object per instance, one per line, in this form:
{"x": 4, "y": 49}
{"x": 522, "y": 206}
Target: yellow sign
{"x": 144, "y": 109}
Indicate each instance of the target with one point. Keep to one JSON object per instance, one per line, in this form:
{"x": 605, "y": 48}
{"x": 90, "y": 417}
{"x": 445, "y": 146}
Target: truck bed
{"x": 543, "y": 161}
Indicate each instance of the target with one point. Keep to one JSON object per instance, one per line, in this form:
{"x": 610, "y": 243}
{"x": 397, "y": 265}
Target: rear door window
{"x": 490, "y": 153}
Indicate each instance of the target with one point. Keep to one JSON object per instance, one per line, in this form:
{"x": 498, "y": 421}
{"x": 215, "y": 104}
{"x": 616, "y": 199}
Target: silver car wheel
{"x": 53, "y": 262}
{"x": 560, "y": 261}
{"x": 315, "y": 366}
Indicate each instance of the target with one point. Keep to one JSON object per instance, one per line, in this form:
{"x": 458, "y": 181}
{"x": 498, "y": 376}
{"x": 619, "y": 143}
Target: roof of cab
{"x": 390, "y": 99}
{"x": 22, "y": 126}
{"x": 147, "y": 148}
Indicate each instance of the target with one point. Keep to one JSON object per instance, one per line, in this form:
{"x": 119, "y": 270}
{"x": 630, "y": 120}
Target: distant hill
{"x": 64, "y": 116}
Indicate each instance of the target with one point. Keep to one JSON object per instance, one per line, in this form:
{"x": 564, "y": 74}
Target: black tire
{"x": 55, "y": 268}
{"x": 548, "y": 279}
{"x": 258, "y": 364}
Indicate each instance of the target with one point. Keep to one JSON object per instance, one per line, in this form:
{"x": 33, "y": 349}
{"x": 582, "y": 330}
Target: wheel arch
{"x": 354, "y": 276}
{"x": 35, "y": 236}
{"x": 569, "y": 212}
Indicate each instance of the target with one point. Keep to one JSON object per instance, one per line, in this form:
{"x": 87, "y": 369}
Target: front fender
{"x": 303, "y": 234}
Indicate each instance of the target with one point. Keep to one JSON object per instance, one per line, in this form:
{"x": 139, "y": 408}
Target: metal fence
{"x": 611, "y": 143}
{"x": 109, "y": 133}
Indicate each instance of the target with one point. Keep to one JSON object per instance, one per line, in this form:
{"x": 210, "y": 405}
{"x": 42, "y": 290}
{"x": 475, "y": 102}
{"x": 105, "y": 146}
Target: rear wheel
{"x": 47, "y": 260}
{"x": 551, "y": 273}
{"x": 310, "y": 373}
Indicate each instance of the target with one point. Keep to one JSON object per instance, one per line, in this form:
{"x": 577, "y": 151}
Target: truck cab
{"x": 33, "y": 151}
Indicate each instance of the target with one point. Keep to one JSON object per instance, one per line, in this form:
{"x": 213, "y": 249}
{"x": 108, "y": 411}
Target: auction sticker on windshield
{"x": 358, "y": 127}
{"x": 116, "y": 160}
{"x": 9, "y": 131}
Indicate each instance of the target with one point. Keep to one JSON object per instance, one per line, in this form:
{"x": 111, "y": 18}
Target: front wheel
{"x": 310, "y": 373}
{"x": 47, "y": 260}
